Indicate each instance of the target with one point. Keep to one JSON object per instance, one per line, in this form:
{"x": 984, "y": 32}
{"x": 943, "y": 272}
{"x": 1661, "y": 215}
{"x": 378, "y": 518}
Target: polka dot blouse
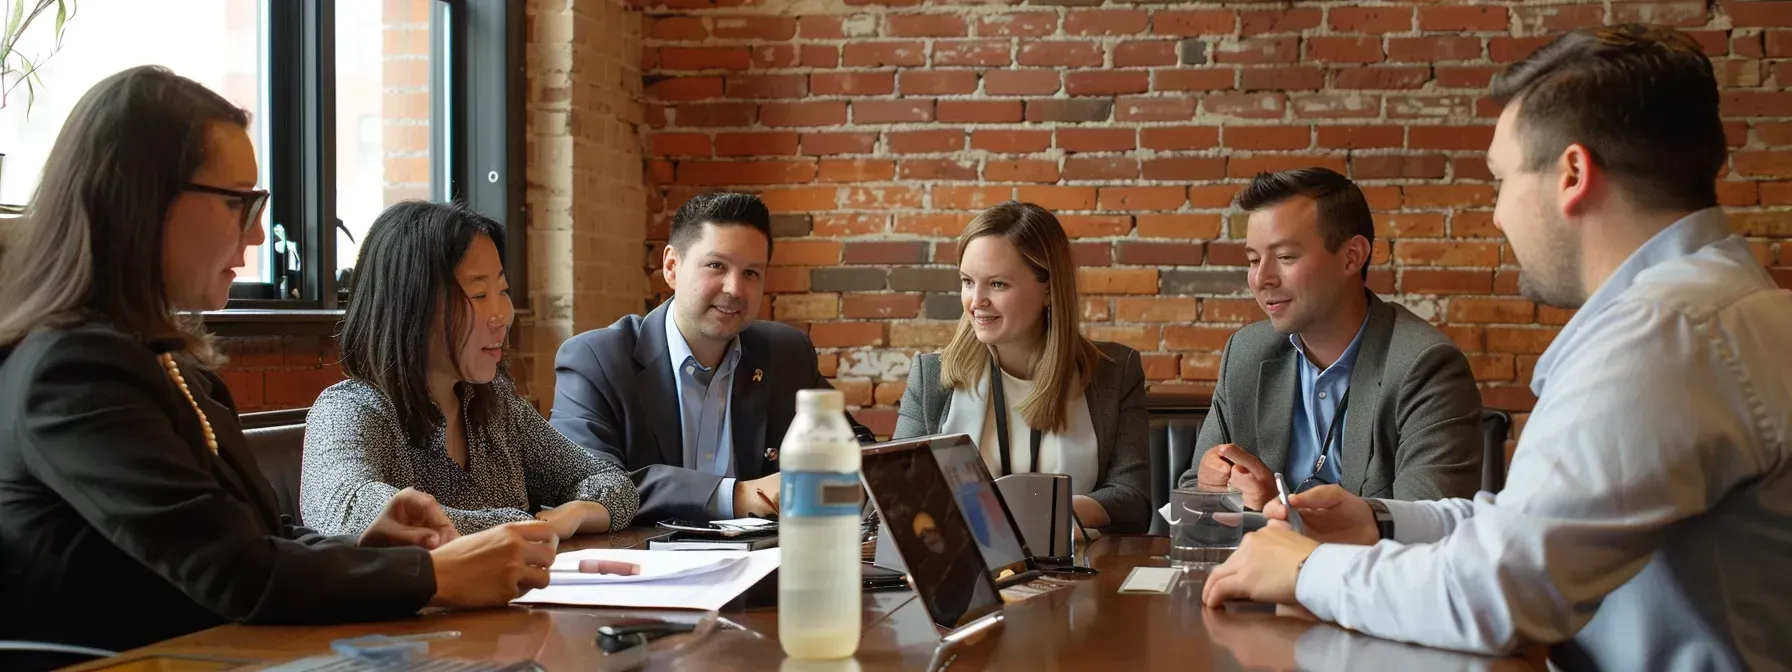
{"x": 357, "y": 458}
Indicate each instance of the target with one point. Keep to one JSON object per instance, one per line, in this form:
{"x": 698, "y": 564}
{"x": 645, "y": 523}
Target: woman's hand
{"x": 576, "y": 517}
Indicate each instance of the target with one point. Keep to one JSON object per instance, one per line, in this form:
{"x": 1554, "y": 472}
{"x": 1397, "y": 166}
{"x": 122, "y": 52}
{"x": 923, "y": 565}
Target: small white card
{"x": 1150, "y": 580}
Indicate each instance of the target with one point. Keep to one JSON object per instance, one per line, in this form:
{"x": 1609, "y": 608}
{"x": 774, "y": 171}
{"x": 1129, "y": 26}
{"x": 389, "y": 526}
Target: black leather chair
{"x": 1175, "y": 425}
{"x": 278, "y": 440}
{"x": 1495, "y": 426}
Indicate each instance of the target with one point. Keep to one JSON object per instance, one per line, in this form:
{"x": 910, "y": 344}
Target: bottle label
{"x": 819, "y": 493}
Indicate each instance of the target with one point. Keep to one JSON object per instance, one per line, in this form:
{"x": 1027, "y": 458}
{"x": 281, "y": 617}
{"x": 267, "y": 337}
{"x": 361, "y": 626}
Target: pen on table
{"x": 768, "y": 500}
{"x": 423, "y": 637}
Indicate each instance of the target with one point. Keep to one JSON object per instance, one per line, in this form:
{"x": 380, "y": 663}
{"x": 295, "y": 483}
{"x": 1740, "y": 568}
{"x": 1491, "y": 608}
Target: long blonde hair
{"x": 1066, "y": 359}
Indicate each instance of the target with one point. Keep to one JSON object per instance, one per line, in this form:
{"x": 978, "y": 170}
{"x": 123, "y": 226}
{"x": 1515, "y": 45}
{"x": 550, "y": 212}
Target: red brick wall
{"x": 878, "y": 129}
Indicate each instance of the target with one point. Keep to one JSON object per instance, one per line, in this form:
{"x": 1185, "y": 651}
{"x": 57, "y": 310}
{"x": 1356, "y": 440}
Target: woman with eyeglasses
{"x": 1021, "y": 379}
{"x": 131, "y": 509}
{"x": 427, "y": 404}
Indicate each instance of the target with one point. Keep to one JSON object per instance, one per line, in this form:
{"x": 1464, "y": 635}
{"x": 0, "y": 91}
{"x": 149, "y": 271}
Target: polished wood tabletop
{"x": 1088, "y": 625}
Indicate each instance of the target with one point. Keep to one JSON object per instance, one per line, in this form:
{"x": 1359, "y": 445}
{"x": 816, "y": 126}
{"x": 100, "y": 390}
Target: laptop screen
{"x": 972, "y": 487}
{"x": 939, "y": 548}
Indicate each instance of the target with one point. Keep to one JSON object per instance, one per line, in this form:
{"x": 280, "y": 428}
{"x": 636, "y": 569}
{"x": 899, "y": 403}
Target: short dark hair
{"x": 1343, "y": 210}
{"x": 90, "y": 244}
{"x": 405, "y": 271}
{"x": 723, "y": 208}
{"x": 1643, "y": 100}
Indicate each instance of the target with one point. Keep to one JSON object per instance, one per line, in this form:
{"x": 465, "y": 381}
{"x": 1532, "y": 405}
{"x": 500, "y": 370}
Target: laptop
{"x": 1000, "y": 540}
{"x": 922, "y": 518}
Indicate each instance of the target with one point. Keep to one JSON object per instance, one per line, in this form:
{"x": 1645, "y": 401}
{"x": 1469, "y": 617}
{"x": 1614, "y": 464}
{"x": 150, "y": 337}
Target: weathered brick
{"x": 1203, "y": 281}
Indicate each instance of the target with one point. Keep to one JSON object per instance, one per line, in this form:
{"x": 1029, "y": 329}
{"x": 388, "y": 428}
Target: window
{"x": 389, "y": 112}
{"x": 355, "y": 105}
{"x": 223, "y": 48}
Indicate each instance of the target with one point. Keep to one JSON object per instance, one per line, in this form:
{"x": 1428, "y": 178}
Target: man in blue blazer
{"x": 695, "y": 397}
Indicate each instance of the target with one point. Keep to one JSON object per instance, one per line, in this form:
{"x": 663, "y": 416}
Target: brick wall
{"x": 404, "y": 104}
{"x": 588, "y": 201}
{"x": 878, "y": 129}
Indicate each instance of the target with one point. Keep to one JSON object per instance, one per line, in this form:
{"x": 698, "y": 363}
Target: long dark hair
{"x": 406, "y": 270}
{"x": 90, "y": 244}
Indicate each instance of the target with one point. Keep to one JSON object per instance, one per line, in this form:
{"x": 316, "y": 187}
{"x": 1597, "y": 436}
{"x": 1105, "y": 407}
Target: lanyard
{"x": 1001, "y": 408}
{"x": 1325, "y": 445}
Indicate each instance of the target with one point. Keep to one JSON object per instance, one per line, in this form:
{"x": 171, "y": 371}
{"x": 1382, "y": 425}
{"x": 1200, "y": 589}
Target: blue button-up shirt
{"x": 1647, "y": 519}
{"x": 1316, "y": 402}
{"x": 703, "y": 400}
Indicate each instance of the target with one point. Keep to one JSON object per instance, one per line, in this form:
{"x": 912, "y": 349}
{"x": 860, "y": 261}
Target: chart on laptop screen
{"x": 977, "y": 499}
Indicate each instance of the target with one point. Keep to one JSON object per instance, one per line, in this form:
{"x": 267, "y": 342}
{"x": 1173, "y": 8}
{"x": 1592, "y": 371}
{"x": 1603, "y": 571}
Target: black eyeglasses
{"x": 253, "y": 201}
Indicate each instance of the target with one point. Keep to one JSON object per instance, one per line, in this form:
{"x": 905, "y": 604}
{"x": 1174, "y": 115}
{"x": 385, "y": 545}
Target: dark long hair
{"x": 406, "y": 271}
{"x": 90, "y": 244}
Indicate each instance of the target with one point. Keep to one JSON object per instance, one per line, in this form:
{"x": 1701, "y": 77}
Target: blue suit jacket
{"x": 614, "y": 394}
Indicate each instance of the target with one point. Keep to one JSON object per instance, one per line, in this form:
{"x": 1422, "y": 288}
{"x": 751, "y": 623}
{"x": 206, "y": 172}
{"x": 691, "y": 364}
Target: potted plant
{"x": 17, "y": 67}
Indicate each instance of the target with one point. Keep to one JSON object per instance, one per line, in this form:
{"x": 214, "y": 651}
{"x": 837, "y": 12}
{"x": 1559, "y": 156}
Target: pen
{"x": 423, "y": 637}
{"x": 1293, "y": 516}
{"x": 768, "y": 500}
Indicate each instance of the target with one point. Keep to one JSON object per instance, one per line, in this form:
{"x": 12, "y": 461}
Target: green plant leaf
{"x": 61, "y": 18}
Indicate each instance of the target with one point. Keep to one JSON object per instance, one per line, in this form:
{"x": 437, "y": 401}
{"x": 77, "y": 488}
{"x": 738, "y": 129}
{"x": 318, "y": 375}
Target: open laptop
{"x": 923, "y": 521}
{"x": 1000, "y": 540}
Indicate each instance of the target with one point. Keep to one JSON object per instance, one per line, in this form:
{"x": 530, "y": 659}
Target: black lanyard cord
{"x": 1001, "y": 409}
{"x": 1325, "y": 445}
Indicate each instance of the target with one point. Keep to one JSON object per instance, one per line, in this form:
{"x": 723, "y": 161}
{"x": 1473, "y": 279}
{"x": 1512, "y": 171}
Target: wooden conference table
{"x": 1088, "y": 626}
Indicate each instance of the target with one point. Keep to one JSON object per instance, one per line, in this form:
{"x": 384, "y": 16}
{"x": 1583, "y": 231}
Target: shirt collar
{"x": 680, "y": 349}
{"x": 1347, "y": 361}
{"x": 1684, "y": 237}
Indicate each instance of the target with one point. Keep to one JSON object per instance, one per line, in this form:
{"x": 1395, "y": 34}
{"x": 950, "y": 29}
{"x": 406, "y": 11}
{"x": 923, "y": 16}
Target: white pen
{"x": 1293, "y": 516}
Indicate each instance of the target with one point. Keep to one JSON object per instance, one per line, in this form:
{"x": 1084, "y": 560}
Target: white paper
{"x": 708, "y": 591}
{"x": 655, "y": 565}
{"x": 1150, "y": 580}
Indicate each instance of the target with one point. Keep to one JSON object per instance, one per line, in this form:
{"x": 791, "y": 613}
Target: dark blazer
{"x": 1413, "y": 429}
{"x": 614, "y": 394}
{"x": 1116, "y": 409}
{"x": 120, "y": 528}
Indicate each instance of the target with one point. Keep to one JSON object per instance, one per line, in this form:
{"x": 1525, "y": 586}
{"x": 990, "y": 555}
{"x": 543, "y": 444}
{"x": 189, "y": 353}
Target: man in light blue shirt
{"x": 1647, "y": 520}
{"x": 703, "y": 396}
{"x": 695, "y": 397}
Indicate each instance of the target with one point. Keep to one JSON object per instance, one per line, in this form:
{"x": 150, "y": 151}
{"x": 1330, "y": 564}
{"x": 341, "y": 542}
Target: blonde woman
{"x": 1065, "y": 404}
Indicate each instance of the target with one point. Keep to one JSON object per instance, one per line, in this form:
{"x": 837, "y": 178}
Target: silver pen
{"x": 1293, "y": 516}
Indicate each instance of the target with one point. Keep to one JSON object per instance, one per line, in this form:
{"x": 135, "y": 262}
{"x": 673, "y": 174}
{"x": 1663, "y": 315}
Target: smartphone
{"x": 1293, "y": 515}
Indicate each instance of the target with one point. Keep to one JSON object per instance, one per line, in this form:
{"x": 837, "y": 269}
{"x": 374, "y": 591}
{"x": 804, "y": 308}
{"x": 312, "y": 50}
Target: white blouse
{"x": 1070, "y": 452}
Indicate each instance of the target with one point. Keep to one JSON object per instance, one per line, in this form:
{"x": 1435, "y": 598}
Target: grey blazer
{"x": 1412, "y": 430}
{"x": 614, "y": 396}
{"x": 1116, "y": 408}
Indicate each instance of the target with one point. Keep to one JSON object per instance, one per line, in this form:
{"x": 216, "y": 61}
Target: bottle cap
{"x": 821, "y": 401}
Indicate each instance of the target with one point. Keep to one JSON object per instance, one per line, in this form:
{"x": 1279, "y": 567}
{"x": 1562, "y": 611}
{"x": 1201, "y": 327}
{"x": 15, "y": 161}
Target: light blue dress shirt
{"x": 1317, "y": 398}
{"x": 1646, "y": 522}
{"x": 703, "y": 402}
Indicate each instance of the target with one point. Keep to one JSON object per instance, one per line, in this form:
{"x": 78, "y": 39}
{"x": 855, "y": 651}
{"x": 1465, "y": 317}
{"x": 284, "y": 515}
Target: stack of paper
{"x": 704, "y": 580}
{"x": 654, "y": 566}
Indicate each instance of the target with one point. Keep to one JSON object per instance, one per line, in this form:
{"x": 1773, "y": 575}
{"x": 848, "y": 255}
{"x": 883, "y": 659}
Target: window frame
{"x": 476, "y": 121}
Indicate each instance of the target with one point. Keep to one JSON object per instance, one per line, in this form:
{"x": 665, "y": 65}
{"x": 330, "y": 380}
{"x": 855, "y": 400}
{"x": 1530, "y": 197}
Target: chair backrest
{"x": 1175, "y": 425}
{"x": 1495, "y": 426}
{"x": 277, "y": 438}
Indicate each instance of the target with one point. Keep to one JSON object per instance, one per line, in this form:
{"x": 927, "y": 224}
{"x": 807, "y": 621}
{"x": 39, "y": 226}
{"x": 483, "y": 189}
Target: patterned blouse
{"x": 357, "y": 458}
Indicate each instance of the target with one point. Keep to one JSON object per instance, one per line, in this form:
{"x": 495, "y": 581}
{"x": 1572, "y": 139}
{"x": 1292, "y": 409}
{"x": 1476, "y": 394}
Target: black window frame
{"x": 476, "y": 122}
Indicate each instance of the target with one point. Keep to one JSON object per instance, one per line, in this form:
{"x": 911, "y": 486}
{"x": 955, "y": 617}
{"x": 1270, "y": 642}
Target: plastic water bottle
{"x": 818, "y": 530}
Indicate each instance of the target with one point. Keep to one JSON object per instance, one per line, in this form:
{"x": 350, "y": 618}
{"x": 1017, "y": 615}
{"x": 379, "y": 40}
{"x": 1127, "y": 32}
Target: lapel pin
{"x": 759, "y": 374}
{"x": 771, "y": 454}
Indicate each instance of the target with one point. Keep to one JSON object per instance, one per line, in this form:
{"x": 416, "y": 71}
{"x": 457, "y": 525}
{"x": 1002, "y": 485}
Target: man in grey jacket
{"x": 1337, "y": 386}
